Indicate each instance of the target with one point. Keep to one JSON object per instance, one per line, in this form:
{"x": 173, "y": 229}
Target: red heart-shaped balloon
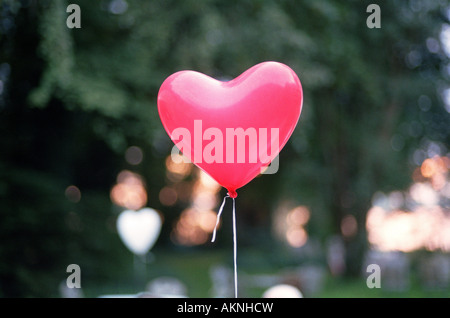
{"x": 232, "y": 129}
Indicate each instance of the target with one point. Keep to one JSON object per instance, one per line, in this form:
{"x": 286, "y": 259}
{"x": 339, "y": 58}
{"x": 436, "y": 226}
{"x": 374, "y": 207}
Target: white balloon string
{"x": 235, "y": 251}
{"x": 218, "y": 219}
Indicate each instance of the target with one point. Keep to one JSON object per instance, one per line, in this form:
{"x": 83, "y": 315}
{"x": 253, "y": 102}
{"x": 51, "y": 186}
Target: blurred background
{"x": 363, "y": 180}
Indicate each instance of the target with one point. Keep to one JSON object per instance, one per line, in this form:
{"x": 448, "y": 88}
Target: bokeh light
{"x": 405, "y": 231}
{"x": 298, "y": 216}
{"x": 349, "y": 226}
{"x": 282, "y": 291}
{"x": 289, "y": 224}
{"x": 177, "y": 170}
{"x": 197, "y": 222}
{"x": 194, "y": 227}
{"x": 415, "y": 219}
{"x": 129, "y": 192}
{"x": 436, "y": 169}
{"x": 134, "y": 155}
{"x": 73, "y": 194}
{"x": 168, "y": 196}
{"x": 296, "y": 236}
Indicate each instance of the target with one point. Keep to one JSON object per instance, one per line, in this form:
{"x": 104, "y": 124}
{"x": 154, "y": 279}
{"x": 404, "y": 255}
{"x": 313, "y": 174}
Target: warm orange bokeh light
{"x": 349, "y": 226}
{"x": 436, "y": 170}
{"x": 424, "y": 194}
{"x": 298, "y": 216}
{"x": 134, "y": 155}
{"x": 197, "y": 222}
{"x": 177, "y": 171}
{"x": 296, "y": 237}
{"x": 428, "y": 168}
{"x": 424, "y": 228}
{"x": 435, "y": 165}
{"x": 194, "y": 227}
{"x": 129, "y": 192}
{"x": 289, "y": 224}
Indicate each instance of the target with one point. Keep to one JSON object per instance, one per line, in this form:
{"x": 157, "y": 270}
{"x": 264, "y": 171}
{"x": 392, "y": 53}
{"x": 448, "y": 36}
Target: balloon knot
{"x": 232, "y": 194}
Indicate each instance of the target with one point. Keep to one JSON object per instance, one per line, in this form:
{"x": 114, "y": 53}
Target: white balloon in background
{"x": 283, "y": 291}
{"x": 139, "y": 230}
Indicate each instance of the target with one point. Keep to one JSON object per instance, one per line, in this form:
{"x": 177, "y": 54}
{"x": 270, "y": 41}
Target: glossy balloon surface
{"x": 267, "y": 96}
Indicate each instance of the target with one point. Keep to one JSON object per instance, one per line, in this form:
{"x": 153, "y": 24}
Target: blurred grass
{"x": 192, "y": 268}
{"x": 356, "y": 288}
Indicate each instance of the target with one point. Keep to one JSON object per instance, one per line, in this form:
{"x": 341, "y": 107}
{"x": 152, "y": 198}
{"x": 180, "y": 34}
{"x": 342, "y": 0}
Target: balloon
{"x": 232, "y": 129}
{"x": 139, "y": 230}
